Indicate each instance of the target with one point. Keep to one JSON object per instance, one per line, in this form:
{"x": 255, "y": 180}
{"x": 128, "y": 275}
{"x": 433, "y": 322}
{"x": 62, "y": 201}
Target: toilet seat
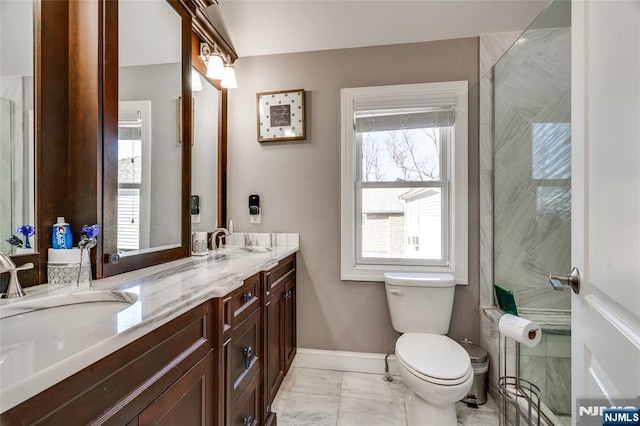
{"x": 434, "y": 358}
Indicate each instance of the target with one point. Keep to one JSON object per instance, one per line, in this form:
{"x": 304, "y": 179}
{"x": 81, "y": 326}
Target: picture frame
{"x": 281, "y": 115}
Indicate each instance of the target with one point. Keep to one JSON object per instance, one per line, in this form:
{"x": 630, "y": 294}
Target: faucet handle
{"x": 14, "y": 289}
{"x": 24, "y": 267}
{"x": 6, "y": 264}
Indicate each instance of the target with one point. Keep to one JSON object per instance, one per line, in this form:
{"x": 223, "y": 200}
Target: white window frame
{"x": 445, "y": 94}
{"x": 143, "y": 108}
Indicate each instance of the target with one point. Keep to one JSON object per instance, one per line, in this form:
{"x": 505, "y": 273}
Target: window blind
{"x": 383, "y": 121}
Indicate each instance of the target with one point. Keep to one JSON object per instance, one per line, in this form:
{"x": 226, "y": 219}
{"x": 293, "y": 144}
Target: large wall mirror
{"x": 146, "y": 160}
{"x": 205, "y": 153}
{"x": 17, "y": 136}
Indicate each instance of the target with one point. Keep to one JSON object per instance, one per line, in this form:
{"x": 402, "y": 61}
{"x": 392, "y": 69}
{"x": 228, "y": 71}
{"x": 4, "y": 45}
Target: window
{"x": 551, "y": 168}
{"x": 134, "y": 174}
{"x": 404, "y": 180}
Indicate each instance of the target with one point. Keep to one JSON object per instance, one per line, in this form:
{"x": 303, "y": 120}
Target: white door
{"x": 606, "y": 202}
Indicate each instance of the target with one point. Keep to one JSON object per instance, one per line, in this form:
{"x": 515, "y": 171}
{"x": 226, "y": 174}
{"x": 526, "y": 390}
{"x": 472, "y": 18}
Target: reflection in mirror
{"x": 204, "y": 158}
{"x": 17, "y": 148}
{"x": 149, "y": 150}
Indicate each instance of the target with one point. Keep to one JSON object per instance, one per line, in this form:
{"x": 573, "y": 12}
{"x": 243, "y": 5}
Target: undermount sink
{"x": 97, "y": 302}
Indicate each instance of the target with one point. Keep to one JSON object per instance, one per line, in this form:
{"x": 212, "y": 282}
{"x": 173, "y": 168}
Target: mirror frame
{"x": 71, "y": 66}
{"x": 110, "y": 152}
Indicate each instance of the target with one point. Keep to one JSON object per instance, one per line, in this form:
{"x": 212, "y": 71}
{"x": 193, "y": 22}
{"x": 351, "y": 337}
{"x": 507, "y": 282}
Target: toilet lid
{"x": 433, "y": 355}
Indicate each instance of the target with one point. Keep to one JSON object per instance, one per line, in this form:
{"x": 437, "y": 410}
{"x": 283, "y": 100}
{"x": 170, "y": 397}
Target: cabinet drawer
{"x": 245, "y": 300}
{"x": 280, "y": 273}
{"x": 245, "y": 354}
{"x": 246, "y": 411}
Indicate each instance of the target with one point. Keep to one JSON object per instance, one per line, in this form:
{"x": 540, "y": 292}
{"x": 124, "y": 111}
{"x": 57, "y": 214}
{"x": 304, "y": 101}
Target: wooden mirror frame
{"x": 70, "y": 64}
{"x": 110, "y": 155}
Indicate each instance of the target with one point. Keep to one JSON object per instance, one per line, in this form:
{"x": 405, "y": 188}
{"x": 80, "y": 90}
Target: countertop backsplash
{"x": 247, "y": 239}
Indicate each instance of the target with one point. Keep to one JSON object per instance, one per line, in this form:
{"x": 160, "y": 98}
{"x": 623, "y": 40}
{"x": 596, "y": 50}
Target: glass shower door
{"x": 532, "y": 196}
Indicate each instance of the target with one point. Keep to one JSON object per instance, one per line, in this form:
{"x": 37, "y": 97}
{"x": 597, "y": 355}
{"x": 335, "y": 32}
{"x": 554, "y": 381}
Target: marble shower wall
{"x": 552, "y": 376}
{"x": 548, "y": 365}
{"x": 492, "y": 47}
{"x": 532, "y": 167}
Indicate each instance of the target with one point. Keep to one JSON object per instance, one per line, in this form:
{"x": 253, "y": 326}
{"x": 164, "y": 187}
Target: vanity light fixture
{"x": 229, "y": 77}
{"x": 213, "y": 60}
{"x": 219, "y": 67}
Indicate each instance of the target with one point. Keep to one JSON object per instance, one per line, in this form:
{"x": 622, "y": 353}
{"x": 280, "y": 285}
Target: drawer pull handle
{"x": 247, "y": 356}
{"x": 288, "y": 294}
{"x": 247, "y": 421}
{"x": 247, "y": 296}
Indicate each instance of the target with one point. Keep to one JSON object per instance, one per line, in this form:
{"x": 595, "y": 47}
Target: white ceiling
{"x": 263, "y": 27}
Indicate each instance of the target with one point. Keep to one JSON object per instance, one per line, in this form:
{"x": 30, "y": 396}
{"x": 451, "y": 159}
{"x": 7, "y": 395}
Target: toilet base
{"x": 421, "y": 413}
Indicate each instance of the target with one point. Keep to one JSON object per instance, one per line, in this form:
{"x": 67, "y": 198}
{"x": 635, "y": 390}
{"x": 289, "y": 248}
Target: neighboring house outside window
{"x": 404, "y": 180}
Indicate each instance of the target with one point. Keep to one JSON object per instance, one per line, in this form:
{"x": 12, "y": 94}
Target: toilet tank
{"x": 420, "y": 302}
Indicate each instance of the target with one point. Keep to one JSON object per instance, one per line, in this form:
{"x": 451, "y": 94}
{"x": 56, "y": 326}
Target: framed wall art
{"x": 281, "y": 115}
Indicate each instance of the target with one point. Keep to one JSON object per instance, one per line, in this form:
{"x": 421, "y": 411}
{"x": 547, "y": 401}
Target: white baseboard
{"x": 356, "y": 362}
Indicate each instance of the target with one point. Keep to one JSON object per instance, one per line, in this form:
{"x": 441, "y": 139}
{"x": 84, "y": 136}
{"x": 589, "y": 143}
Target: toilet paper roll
{"x": 519, "y": 329}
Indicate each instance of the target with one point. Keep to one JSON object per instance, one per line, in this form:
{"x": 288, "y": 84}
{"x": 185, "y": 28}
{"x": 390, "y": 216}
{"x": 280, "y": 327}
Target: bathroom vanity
{"x": 208, "y": 341}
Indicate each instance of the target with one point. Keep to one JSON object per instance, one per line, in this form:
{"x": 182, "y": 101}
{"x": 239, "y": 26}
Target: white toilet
{"x": 436, "y": 369}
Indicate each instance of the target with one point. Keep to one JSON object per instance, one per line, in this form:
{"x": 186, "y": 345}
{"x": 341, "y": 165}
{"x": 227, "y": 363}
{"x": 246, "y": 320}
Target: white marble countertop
{"x": 40, "y": 349}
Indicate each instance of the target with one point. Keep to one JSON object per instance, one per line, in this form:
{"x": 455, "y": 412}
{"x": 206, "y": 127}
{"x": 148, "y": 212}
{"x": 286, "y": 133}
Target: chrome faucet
{"x": 14, "y": 289}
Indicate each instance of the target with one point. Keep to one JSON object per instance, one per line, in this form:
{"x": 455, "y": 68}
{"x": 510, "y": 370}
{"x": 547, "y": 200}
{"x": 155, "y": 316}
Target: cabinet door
{"x": 187, "y": 402}
{"x": 274, "y": 340}
{"x": 289, "y": 322}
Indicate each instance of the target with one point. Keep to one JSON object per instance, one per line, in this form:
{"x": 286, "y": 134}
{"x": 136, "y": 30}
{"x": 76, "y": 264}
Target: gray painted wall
{"x": 161, "y": 84}
{"x": 299, "y": 182}
{"x": 204, "y": 156}
{"x": 16, "y": 38}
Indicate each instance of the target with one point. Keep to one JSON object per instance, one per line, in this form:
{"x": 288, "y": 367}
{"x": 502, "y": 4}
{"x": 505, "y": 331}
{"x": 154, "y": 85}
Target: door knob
{"x": 572, "y": 280}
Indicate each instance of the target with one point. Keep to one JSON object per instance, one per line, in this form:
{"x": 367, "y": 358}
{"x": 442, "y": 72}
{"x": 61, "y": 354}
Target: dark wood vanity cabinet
{"x": 158, "y": 377}
{"x": 257, "y": 334}
{"x": 187, "y": 402}
{"x": 239, "y": 334}
{"x": 221, "y": 363}
{"x": 280, "y": 327}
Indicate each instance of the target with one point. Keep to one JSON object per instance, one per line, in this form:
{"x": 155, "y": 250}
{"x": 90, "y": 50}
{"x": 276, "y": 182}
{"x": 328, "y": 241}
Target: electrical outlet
{"x": 255, "y": 218}
{"x": 195, "y": 218}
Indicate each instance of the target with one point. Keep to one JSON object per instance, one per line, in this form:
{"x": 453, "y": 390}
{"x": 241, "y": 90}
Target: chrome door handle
{"x": 247, "y": 356}
{"x": 572, "y": 280}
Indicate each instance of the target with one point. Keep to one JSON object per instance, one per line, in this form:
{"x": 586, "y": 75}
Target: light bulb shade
{"x": 229, "y": 78}
{"x": 215, "y": 67}
{"x": 196, "y": 83}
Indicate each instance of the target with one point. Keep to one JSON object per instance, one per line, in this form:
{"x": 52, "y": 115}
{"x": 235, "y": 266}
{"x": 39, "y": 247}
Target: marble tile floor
{"x": 326, "y": 397}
